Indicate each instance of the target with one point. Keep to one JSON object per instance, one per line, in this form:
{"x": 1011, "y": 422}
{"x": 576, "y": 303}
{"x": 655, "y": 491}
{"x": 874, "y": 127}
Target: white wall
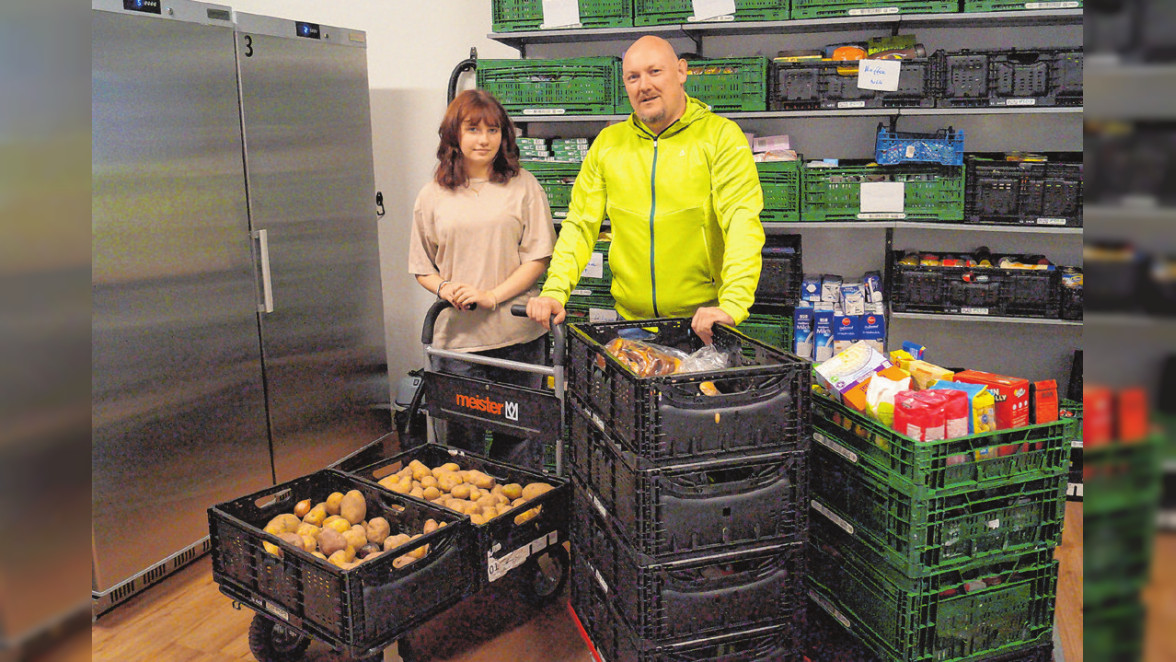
{"x": 412, "y": 49}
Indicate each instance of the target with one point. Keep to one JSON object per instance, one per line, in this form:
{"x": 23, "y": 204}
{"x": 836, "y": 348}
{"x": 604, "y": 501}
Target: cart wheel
{"x": 545, "y": 574}
{"x": 271, "y": 642}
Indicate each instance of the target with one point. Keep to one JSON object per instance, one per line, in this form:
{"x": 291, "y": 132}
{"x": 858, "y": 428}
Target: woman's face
{"x": 479, "y": 144}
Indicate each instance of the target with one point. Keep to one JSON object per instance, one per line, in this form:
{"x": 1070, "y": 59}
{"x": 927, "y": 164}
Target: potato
{"x": 421, "y": 471}
{"x": 475, "y": 494}
{"x": 405, "y": 471}
{"x": 339, "y": 558}
{"x": 528, "y": 514}
{"x": 389, "y": 482}
{"x": 394, "y": 541}
{"x": 284, "y": 523}
{"x": 368, "y": 549}
{"x": 371, "y": 556}
{"x": 353, "y": 507}
{"x": 450, "y": 466}
{"x": 481, "y": 480}
{"x": 317, "y": 515}
{"x": 331, "y": 541}
{"x": 309, "y": 543}
{"x": 517, "y": 502}
{"x": 355, "y": 537}
{"x": 271, "y": 548}
{"x": 400, "y": 487}
{"x": 504, "y": 508}
{"x": 536, "y": 489}
{"x": 419, "y": 552}
{"x": 301, "y": 508}
{"x": 417, "y": 492}
{"x": 333, "y": 502}
{"x": 512, "y": 491}
{"x": 432, "y": 493}
{"x": 319, "y": 555}
{"x": 401, "y": 561}
{"x": 338, "y": 524}
{"x": 461, "y": 490}
{"x": 477, "y": 519}
{"x": 292, "y": 538}
{"x": 430, "y": 526}
{"x": 331, "y": 519}
{"x": 377, "y": 529}
{"x": 448, "y": 481}
{"x": 486, "y": 499}
{"x": 428, "y": 481}
{"x": 306, "y": 529}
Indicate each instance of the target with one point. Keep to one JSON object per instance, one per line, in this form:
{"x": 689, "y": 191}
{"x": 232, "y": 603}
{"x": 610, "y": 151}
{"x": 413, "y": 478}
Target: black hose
{"x": 468, "y": 64}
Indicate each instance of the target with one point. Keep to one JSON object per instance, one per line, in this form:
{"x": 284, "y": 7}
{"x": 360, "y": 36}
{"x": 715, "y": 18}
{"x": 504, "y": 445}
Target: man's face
{"x": 653, "y": 80}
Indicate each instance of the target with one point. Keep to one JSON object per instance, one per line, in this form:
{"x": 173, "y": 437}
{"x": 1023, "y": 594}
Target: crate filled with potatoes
{"x": 516, "y": 513}
{"x": 333, "y": 557}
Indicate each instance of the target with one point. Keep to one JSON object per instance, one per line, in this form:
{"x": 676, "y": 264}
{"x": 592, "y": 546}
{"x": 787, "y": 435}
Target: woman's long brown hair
{"x": 474, "y": 106}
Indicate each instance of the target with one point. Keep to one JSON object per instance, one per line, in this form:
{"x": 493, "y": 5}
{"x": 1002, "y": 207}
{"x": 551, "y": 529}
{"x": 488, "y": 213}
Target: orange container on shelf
{"x": 1097, "y": 409}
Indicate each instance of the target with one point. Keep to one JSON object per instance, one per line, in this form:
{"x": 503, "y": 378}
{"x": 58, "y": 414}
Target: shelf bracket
{"x": 696, "y": 38}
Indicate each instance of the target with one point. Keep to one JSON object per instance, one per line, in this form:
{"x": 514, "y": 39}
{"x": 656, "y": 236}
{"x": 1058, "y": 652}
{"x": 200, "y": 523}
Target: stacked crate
{"x": 592, "y": 300}
{"x": 689, "y": 514}
{"x": 939, "y": 550}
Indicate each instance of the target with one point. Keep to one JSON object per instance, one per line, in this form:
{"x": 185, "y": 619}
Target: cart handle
{"x": 559, "y": 331}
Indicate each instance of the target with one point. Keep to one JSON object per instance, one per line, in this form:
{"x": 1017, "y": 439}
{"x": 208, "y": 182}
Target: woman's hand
{"x": 462, "y": 295}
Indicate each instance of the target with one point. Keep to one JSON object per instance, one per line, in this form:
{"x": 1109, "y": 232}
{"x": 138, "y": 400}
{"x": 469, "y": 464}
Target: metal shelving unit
{"x": 856, "y": 112}
{"x": 985, "y": 319}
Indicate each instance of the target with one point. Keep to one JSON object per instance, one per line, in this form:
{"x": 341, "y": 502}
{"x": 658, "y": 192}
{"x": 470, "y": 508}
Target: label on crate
{"x": 851, "y": 104}
{"x": 497, "y": 567}
{"x": 1020, "y": 102}
{"x": 835, "y": 447}
{"x": 599, "y": 506}
{"x": 1075, "y": 490}
{"x": 277, "y": 610}
{"x": 972, "y": 310}
{"x": 595, "y": 268}
{"x": 596, "y": 420}
{"x": 831, "y": 610}
{"x": 560, "y": 14}
{"x": 1052, "y": 5}
{"x": 600, "y": 579}
{"x": 873, "y": 11}
{"x": 883, "y": 216}
{"x": 602, "y": 315}
{"x": 993, "y": 524}
{"x": 581, "y": 293}
{"x": 544, "y": 111}
{"x": 832, "y": 516}
{"x": 1051, "y": 221}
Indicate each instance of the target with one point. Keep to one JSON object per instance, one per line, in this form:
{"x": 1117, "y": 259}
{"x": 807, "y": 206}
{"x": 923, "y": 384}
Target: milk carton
{"x": 802, "y": 331}
{"x": 845, "y": 330}
{"x": 822, "y": 335}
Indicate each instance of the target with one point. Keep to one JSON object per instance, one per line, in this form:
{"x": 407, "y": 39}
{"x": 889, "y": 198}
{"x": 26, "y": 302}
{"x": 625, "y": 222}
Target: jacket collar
{"x": 695, "y": 110}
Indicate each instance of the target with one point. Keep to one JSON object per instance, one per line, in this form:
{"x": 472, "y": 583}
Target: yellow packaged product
{"x": 924, "y": 375}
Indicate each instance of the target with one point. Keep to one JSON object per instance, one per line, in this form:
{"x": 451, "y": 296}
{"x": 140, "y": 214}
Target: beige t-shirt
{"x": 479, "y": 234}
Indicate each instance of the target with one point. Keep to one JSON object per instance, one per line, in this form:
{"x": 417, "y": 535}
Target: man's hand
{"x": 541, "y": 309}
{"x": 705, "y": 318}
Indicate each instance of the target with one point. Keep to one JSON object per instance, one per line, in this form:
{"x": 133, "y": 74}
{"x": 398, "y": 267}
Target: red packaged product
{"x": 956, "y": 411}
{"x": 1131, "y": 415}
{"x": 917, "y": 417}
{"x": 1010, "y": 393}
{"x": 1045, "y": 401}
{"x": 1097, "y": 405}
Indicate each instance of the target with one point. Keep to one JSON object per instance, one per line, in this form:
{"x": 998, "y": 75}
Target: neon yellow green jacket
{"x": 684, "y": 208}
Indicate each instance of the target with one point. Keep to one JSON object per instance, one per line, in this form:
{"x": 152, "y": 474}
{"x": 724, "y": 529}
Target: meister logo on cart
{"x": 506, "y": 408}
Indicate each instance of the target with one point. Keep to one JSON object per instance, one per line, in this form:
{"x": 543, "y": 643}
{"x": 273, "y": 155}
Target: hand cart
{"x": 471, "y": 557}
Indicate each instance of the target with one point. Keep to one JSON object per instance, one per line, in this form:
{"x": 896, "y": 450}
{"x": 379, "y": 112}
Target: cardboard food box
{"x": 1045, "y": 401}
{"x": 1010, "y": 393}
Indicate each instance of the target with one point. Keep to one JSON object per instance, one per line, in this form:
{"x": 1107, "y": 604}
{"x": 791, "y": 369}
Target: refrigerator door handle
{"x": 267, "y": 286}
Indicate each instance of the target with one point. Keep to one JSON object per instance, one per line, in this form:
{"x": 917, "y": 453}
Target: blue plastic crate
{"x": 945, "y": 147}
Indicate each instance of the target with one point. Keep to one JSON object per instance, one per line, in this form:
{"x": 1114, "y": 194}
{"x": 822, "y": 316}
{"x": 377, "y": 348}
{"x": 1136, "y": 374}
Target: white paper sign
{"x": 560, "y": 13}
{"x": 883, "y": 197}
{"x": 878, "y": 74}
{"x": 704, "y": 9}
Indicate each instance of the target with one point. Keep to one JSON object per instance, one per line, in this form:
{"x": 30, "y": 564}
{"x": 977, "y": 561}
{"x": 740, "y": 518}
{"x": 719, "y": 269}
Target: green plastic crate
{"x": 1118, "y": 553}
{"x": 949, "y": 466}
{"x": 1071, "y": 410}
{"x": 597, "y": 276}
{"x": 584, "y": 85}
{"x": 1017, "y": 5}
{"x": 842, "y": 8}
{"x": 773, "y": 328}
{"x": 932, "y": 193}
{"x": 921, "y": 535}
{"x": 1114, "y": 631}
{"x": 523, "y": 15}
{"x": 781, "y": 183}
{"x": 662, "y": 12}
{"x": 1122, "y": 477}
{"x": 557, "y": 180}
{"x": 972, "y": 612}
{"x": 731, "y": 84}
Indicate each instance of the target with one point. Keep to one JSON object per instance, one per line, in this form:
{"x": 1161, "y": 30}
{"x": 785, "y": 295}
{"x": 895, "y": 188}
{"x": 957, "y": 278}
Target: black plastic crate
{"x": 359, "y": 610}
{"x": 763, "y": 400}
{"x": 809, "y": 85}
{"x": 1041, "y": 77}
{"x": 782, "y": 270}
{"x": 705, "y": 595}
{"x": 976, "y": 291}
{"x": 694, "y": 508}
{"x": 499, "y": 541}
{"x": 1041, "y": 193}
{"x": 615, "y": 641}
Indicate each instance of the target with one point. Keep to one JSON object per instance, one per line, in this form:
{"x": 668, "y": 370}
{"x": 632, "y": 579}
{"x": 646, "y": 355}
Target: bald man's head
{"x": 654, "y": 77}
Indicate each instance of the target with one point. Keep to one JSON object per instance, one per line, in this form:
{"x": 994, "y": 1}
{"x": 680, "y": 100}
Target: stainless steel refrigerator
{"x": 237, "y": 319}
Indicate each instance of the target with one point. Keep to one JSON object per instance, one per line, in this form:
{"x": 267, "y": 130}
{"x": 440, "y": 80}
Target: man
{"x": 680, "y": 187}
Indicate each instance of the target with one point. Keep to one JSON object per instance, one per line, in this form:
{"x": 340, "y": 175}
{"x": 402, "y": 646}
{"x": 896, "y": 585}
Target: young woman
{"x": 482, "y": 234}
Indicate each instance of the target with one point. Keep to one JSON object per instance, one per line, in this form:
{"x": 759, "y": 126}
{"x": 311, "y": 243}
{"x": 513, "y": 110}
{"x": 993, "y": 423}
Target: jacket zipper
{"x": 652, "y": 208}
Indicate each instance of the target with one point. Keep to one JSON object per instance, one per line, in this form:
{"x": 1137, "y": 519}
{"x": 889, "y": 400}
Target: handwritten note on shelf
{"x": 561, "y": 13}
{"x": 704, "y": 9}
{"x": 879, "y": 74}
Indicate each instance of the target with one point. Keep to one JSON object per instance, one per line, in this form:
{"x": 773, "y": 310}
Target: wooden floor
{"x": 187, "y": 619}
